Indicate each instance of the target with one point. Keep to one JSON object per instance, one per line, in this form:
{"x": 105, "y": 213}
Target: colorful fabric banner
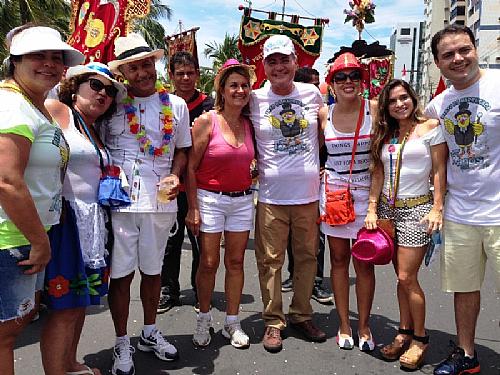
{"x": 185, "y": 41}
{"x": 379, "y": 73}
{"x": 97, "y": 23}
{"x": 254, "y": 32}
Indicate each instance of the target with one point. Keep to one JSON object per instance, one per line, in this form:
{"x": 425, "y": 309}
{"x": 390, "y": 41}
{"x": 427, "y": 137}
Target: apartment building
{"x": 483, "y": 17}
{"x": 407, "y": 43}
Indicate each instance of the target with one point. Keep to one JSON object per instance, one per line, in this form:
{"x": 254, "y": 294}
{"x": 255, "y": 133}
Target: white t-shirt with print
{"x": 286, "y": 132}
{"x": 144, "y": 171}
{"x": 470, "y": 122}
{"x": 44, "y": 173}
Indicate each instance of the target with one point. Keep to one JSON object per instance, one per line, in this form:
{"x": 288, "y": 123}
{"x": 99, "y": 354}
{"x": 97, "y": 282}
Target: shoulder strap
{"x": 79, "y": 118}
{"x": 356, "y": 137}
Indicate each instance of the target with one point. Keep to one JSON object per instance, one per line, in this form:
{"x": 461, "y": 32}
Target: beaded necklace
{"x": 394, "y": 173}
{"x": 145, "y": 143}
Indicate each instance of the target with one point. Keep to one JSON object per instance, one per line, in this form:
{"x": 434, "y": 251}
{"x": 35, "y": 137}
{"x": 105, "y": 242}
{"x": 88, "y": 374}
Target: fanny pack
{"x": 339, "y": 204}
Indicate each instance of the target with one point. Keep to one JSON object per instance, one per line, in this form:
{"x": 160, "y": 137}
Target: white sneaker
{"x": 159, "y": 345}
{"x": 239, "y": 339}
{"x": 202, "y": 335}
{"x": 123, "y": 363}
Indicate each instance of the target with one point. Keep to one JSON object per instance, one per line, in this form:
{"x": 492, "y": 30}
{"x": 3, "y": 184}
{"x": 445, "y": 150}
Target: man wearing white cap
{"x": 285, "y": 116}
{"x": 148, "y": 138}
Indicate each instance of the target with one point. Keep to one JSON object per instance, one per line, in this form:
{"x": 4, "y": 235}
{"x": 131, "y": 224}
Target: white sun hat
{"x": 41, "y": 38}
{"x": 130, "y": 48}
{"x": 101, "y": 69}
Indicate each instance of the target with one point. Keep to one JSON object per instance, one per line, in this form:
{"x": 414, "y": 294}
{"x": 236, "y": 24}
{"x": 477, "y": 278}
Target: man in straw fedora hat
{"x": 285, "y": 116}
{"x": 148, "y": 137}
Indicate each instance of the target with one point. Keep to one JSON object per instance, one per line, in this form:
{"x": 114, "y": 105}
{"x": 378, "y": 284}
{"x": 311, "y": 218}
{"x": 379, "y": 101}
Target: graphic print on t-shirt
{"x": 462, "y": 121}
{"x": 287, "y": 117}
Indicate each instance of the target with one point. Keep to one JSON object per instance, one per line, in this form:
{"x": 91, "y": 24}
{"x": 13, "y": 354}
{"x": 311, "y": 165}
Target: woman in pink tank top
{"x": 219, "y": 196}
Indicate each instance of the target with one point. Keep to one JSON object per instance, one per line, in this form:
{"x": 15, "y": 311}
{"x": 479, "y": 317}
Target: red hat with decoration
{"x": 345, "y": 61}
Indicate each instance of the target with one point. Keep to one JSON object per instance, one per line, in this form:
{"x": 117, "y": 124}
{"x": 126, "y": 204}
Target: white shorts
{"x": 140, "y": 240}
{"x": 220, "y": 213}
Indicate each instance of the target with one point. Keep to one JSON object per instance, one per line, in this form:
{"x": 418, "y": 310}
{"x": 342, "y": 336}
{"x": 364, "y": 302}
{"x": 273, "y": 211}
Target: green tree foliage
{"x": 219, "y": 52}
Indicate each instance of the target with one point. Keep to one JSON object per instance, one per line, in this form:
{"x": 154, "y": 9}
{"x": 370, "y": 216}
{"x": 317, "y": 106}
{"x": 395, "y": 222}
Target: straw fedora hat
{"x": 130, "y": 48}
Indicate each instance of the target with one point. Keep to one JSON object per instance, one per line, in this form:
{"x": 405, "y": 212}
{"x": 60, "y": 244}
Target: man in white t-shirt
{"x": 148, "y": 138}
{"x": 285, "y": 118}
{"x": 469, "y": 112}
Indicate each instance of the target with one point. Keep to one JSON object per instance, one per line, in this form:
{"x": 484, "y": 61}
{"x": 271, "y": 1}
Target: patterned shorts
{"x": 409, "y": 231}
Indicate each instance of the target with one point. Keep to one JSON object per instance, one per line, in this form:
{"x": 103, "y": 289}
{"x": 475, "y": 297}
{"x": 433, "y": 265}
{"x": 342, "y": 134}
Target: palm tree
{"x": 206, "y": 81}
{"x": 228, "y": 49}
{"x": 54, "y": 13}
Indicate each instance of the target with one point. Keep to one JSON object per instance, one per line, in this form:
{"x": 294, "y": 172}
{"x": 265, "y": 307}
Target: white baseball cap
{"x": 42, "y": 38}
{"x": 278, "y": 44}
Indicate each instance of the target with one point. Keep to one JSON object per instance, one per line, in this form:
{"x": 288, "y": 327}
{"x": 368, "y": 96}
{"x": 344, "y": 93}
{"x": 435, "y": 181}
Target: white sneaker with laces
{"x": 202, "y": 335}
{"x": 159, "y": 345}
{"x": 239, "y": 339}
{"x": 123, "y": 363}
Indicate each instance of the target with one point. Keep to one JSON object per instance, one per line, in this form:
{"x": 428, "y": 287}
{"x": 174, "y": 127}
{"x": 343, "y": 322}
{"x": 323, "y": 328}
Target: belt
{"x": 232, "y": 194}
{"x": 408, "y": 202}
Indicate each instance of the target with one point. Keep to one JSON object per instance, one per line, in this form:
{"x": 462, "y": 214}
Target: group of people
{"x": 185, "y": 160}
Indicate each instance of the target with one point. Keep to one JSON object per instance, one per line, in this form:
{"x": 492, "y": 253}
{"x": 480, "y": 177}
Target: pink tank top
{"x": 225, "y": 167}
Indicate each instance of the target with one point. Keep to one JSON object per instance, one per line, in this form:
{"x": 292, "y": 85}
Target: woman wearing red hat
{"x": 406, "y": 149}
{"x": 350, "y": 122}
{"x": 219, "y": 196}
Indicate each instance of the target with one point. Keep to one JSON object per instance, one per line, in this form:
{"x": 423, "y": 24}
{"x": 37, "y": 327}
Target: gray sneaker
{"x": 159, "y": 345}
{"x": 202, "y": 334}
{"x": 123, "y": 363}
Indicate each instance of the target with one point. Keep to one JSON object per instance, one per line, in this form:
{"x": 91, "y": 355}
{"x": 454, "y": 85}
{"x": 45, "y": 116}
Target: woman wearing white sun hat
{"x": 33, "y": 159}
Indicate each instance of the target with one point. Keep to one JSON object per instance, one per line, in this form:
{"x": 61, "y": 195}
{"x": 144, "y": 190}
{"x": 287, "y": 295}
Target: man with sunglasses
{"x": 148, "y": 138}
{"x": 288, "y": 163}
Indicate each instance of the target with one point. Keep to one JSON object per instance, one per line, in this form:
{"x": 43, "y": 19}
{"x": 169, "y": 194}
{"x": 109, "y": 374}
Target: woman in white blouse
{"x": 406, "y": 150}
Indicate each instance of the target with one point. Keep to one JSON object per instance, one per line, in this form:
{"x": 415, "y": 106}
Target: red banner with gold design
{"x": 97, "y": 23}
{"x": 185, "y": 41}
{"x": 254, "y": 32}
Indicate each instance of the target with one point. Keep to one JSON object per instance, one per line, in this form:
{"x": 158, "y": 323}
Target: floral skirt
{"x": 69, "y": 283}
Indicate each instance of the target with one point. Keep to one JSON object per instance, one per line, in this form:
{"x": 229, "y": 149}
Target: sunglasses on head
{"x": 341, "y": 77}
{"x": 97, "y": 86}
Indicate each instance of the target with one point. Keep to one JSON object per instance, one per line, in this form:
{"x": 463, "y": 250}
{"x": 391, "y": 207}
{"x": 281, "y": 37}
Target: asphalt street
{"x": 298, "y": 356}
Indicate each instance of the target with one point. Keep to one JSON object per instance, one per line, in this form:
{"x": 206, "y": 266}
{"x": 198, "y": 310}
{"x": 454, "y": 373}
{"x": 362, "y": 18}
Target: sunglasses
{"x": 341, "y": 77}
{"x": 97, "y": 86}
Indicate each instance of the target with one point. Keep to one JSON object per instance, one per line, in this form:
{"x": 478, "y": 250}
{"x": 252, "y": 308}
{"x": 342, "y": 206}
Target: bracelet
{"x": 373, "y": 201}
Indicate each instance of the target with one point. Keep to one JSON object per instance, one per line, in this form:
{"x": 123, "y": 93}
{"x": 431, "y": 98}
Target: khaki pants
{"x": 273, "y": 224}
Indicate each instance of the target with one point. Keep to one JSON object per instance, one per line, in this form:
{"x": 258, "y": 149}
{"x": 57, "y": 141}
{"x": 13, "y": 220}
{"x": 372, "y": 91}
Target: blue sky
{"x": 216, "y": 17}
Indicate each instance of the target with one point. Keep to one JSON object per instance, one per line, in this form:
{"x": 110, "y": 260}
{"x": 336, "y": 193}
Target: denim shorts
{"x": 17, "y": 290}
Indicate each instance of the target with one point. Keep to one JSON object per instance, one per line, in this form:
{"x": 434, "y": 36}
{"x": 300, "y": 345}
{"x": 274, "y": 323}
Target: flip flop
{"x": 87, "y": 371}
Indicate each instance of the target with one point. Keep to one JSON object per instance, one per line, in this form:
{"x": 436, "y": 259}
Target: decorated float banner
{"x": 185, "y": 41}
{"x": 95, "y": 25}
{"x": 254, "y": 32}
{"x": 378, "y": 71}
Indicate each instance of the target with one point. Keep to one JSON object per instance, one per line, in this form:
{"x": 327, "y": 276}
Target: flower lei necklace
{"x": 145, "y": 143}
